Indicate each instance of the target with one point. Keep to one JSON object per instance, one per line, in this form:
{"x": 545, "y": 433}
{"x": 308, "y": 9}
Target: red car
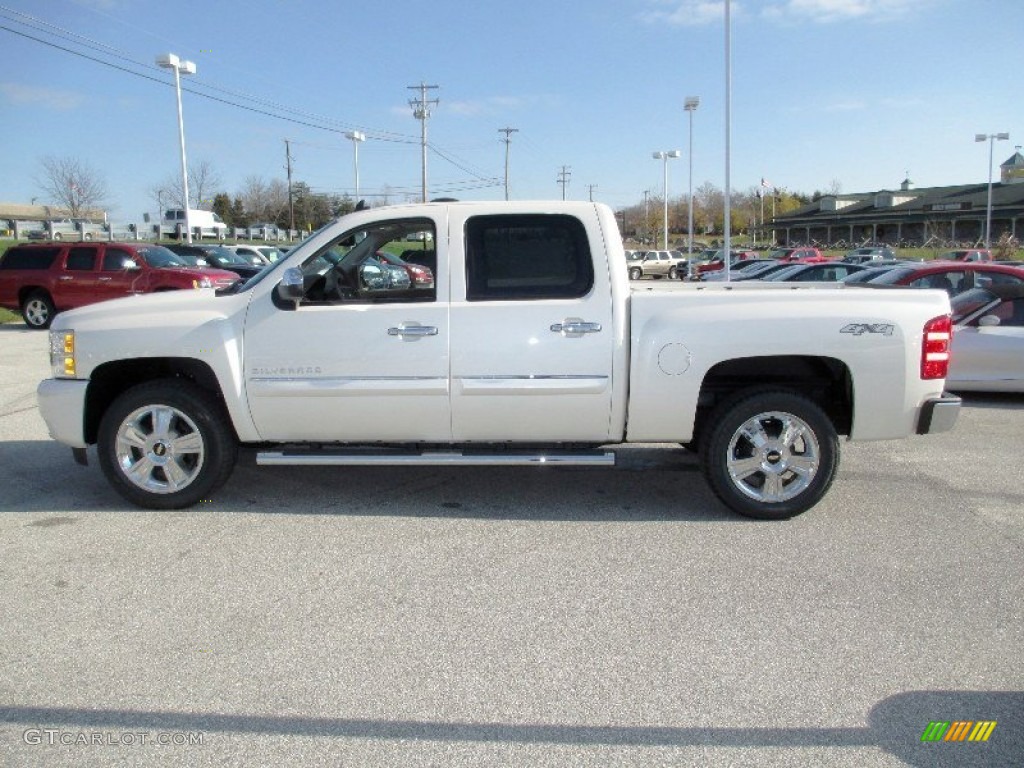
{"x": 803, "y": 255}
{"x": 951, "y": 276}
{"x": 970, "y": 254}
{"x": 42, "y": 279}
{"x": 717, "y": 262}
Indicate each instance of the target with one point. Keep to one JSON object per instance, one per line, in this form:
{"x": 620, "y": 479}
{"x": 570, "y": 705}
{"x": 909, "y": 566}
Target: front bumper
{"x": 938, "y": 415}
{"x": 62, "y": 405}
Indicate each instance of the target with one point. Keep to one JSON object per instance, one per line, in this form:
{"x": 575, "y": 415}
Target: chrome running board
{"x": 435, "y": 459}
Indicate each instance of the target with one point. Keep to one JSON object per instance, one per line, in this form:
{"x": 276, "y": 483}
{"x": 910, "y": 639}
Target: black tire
{"x": 785, "y": 476}
{"x": 38, "y": 310}
{"x": 672, "y": 272}
{"x": 635, "y": 273}
{"x": 162, "y": 425}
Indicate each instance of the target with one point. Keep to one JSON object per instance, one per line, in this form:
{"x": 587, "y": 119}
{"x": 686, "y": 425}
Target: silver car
{"x": 987, "y": 354}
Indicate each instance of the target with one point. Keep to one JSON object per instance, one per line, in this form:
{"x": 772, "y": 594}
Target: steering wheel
{"x": 337, "y": 285}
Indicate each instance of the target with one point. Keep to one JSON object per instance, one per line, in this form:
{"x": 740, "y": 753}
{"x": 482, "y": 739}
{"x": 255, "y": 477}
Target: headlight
{"x": 202, "y": 282}
{"x": 62, "y": 354}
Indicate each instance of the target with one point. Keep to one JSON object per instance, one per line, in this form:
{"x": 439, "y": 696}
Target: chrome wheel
{"x": 773, "y": 457}
{"x": 37, "y": 312}
{"x": 159, "y": 449}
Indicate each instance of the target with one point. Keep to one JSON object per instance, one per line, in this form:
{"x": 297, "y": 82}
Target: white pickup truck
{"x": 509, "y": 336}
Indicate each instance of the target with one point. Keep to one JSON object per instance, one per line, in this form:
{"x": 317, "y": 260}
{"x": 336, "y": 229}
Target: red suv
{"x": 42, "y": 279}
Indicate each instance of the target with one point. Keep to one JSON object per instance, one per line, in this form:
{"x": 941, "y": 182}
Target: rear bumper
{"x": 938, "y": 415}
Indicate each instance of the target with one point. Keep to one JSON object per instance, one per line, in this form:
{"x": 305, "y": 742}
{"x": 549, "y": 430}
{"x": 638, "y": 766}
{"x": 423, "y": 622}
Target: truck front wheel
{"x": 635, "y": 273}
{"x": 770, "y": 455}
{"x": 166, "y": 444}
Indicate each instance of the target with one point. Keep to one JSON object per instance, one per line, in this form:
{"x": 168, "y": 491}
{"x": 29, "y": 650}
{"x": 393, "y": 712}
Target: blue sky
{"x": 854, "y": 91}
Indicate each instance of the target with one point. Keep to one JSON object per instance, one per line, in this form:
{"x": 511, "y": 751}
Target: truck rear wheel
{"x": 770, "y": 455}
{"x": 166, "y": 444}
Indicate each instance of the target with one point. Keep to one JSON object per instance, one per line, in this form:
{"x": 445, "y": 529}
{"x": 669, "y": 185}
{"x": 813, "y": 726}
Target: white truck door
{"x": 531, "y": 329}
{"x": 364, "y": 356}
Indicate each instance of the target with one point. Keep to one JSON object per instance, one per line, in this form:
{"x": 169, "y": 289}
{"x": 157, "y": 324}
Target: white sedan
{"x": 987, "y": 354}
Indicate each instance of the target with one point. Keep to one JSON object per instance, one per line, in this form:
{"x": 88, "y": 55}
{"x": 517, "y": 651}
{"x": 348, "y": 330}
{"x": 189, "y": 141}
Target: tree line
{"x": 748, "y": 209}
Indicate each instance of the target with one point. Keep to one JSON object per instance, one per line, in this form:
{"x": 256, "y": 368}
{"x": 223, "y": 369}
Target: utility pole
{"x": 508, "y": 140}
{"x": 563, "y": 178}
{"x": 421, "y": 111}
{"x": 291, "y": 204}
{"x": 590, "y": 191}
{"x": 647, "y": 211}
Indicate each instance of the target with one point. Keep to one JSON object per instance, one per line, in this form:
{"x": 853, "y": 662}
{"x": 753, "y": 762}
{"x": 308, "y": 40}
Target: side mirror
{"x": 291, "y": 286}
{"x": 130, "y": 265}
{"x": 988, "y": 321}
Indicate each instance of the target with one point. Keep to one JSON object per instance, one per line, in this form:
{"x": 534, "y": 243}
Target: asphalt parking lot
{"x": 470, "y": 617}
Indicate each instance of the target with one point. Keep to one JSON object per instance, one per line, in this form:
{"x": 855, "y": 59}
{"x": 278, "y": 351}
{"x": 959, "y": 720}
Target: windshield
{"x": 158, "y": 256}
{"x": 892, "y": 276}
{"x": 969, "y": 302}
{"x": 225, "y": 256}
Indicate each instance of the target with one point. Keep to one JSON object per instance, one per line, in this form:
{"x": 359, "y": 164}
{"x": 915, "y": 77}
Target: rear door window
{"x": 80, "y": 259}
{"x": 527, "y": 256}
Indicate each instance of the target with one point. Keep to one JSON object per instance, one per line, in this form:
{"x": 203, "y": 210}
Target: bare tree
{"x": 264, "y": 201}
{"x": 203, "y": 180}
{"x": 73, "y": 185}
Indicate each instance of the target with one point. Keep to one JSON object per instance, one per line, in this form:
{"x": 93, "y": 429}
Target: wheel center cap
{"x": 773, "y": 456}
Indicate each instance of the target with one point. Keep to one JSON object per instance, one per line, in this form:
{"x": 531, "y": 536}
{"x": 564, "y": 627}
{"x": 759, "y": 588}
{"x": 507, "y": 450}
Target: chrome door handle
{"x": 65, "y": 277}
{"x": 105, "y": 279}
{"x": 574, "y": 326}
{"x": 413, "y": 330}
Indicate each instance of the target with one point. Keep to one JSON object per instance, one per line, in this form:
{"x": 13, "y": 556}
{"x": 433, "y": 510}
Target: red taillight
{"x": 938, "y": 334}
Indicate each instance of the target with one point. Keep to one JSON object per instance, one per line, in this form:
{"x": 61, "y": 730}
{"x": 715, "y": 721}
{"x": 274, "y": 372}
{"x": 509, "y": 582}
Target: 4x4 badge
{"x": 858, "y": 329}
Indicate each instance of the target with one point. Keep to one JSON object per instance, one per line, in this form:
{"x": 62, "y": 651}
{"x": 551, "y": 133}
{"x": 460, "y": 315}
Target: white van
{"x": 208, "y": 223}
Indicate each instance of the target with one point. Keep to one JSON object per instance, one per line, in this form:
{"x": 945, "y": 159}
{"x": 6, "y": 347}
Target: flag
{"x": 764, "y": 183}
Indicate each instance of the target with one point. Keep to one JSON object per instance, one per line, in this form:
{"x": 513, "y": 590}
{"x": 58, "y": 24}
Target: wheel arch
{"x": 109, "y": 380}
{"x": 824, "y": 380}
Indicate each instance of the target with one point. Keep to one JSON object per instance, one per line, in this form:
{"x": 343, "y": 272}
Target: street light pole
{"x": 180, "y": 67}
{"x": 664, "y": 157}
{"x": 690, "y": 105}
{"x": 356, "y": 137}
{"x": 991, "y": 137}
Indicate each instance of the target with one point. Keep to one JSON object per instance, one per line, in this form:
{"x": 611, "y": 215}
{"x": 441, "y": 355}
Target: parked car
{"x": 870, "y": 253}
{"x": 829, "y": 272}
{"x": 272, "y": 253}
{"x": 658, "y": 264}
{"x": 217, "y": 256}
{"x": 716, "y": 262}
{"x": 803, "y": 254}
{"x": 419, "y": 275}
{"x": 40, "y": 280}
{"x": 872, "y": 270}
{"x": 263, "y": 230}
{"x": 741, "y": 270}
{"x": 969, "y": 254}
{"x": 953, "y": 277}
{"x": 250, "y": 253}
{"x": 988, "y": 340}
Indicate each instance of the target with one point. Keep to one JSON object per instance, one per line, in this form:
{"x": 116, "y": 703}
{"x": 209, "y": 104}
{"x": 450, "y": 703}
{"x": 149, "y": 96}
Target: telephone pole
{"x": 563, "y": 178}
{"x": 508, "y": 140}
{"x": 291, "y": 204}
{"x": 421, "y": 111}
{"x": 590, "y": 191}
